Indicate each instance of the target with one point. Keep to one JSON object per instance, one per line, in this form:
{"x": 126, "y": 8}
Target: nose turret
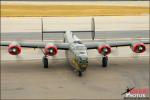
{"x": 83, "y": 62}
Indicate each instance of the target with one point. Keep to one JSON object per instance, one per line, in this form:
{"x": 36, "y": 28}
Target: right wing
{"x": 95, "y": 45}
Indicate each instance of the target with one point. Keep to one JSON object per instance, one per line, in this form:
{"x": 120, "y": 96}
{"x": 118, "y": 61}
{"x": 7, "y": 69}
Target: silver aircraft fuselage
{"x": 77, "y": 54}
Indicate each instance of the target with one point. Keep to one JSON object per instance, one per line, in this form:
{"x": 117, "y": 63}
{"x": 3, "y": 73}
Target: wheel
{"x": 79, "y": 73}
{"x": 104, "y": 61}
{"x": 45, "y": 62}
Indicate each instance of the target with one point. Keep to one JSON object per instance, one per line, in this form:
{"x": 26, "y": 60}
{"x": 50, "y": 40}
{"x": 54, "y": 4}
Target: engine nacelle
{"x": 104, "y": 49}
{"x": 50, "y": 50}
{"x": 14, "y": 48}
{"x": 138, "y": 47}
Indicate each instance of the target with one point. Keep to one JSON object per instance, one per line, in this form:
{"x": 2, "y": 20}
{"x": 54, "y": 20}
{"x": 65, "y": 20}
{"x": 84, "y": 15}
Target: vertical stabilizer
{"x": 42, "y": 27}
{"x": 93, "y": 28}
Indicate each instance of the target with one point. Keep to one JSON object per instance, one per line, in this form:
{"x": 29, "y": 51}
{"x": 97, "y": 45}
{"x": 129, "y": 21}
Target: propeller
{"x": 54, "y": 57}
{"x": 114, "y": 51}
{"x": 18, "y": 57}
{"x": 147, "y": 46}
{"x": 133, "y": 54}
{"x": 41, "y": 51}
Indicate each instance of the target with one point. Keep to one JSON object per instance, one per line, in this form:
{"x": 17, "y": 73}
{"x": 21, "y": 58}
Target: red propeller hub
{"x": 51, "y": 50}
{"x": 104, "y": 50}
{"x": 14, "y": 49}
{"x": 138, "y": 47}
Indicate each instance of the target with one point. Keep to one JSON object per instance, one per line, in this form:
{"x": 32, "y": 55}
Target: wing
{"x": 61, "y": 46}
{"x": 94, "y": 45}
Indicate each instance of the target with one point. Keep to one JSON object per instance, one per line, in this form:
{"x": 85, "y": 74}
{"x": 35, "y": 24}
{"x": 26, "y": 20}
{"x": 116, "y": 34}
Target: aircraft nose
{"x": 83, "y": 59}
{"x": 83, "y": 62}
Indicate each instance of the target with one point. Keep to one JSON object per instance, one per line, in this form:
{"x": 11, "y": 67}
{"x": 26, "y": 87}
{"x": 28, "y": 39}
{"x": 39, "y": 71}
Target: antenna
{"x": 93, "y": 28}
{"x": 42, "y": 27}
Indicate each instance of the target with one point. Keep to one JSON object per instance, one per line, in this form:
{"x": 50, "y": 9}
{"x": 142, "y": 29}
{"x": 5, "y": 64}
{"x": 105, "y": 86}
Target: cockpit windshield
{"x": 82, "y": 52}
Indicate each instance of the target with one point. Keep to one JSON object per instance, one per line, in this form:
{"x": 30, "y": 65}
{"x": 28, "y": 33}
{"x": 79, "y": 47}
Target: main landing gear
{"x": 104, "y": 61}
{"x": 45, "y": 62}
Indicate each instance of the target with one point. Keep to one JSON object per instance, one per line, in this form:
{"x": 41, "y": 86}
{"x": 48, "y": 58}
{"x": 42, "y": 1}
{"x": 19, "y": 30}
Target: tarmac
{"x": 29, "y": 80}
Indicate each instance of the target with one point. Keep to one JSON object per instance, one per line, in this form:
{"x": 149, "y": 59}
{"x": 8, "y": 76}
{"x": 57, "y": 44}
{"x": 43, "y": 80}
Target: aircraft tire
{"x": 45, "y": 62}
{"x": 104, "y": 61}
{"x": 79, "y": 73}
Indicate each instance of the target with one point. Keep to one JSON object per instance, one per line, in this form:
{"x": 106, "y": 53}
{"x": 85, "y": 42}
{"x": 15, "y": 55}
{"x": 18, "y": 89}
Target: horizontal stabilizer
{"x": 78, "y": 31}
{"x": 74, "y": 31}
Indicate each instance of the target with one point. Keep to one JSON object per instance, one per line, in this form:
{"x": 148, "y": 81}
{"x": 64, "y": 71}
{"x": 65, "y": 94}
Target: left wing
{"x": 61, "y": 46}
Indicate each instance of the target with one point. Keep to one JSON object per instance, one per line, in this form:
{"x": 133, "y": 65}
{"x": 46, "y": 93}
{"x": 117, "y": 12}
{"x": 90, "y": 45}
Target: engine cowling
{"x": 50, "y": 50}
{"x": 104, "y": 49}
{"x": 138, "y": 47}
{"x": 14, "y": 48}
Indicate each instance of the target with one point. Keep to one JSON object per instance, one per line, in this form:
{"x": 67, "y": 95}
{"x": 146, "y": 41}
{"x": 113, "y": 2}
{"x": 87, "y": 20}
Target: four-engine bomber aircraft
{"x": 76, "y": 50}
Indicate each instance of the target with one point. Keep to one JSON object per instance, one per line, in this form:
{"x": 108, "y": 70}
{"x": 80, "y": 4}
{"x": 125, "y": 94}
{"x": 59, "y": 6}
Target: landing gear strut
{"x": 104, "y": 61}
{"x": 45, "y": 62}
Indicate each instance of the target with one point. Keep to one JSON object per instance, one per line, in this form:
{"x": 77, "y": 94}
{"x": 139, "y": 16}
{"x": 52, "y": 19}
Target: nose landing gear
{"x": 79, "y": 73}
{"x": 104, "y": 61}
{"x": 81, "y": 69}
